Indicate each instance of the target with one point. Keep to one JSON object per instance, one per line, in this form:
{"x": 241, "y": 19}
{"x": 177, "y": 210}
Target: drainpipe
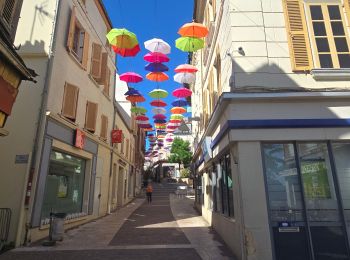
{"x": 42, "y": 114}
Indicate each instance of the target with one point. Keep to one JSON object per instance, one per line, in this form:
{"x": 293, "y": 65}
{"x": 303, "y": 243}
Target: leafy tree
{"x": 185, "y": 173}
{"x": 180, "y": 152}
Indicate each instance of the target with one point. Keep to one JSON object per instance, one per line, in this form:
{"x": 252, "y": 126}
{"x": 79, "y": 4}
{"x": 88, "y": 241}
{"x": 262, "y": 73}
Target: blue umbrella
{"x": 159, "y": 132}
{"x": 179, "y": 103}
{"x": 160, "y": 121}
{"x": 156, "y": 67}
{"x": 132, "y": 92}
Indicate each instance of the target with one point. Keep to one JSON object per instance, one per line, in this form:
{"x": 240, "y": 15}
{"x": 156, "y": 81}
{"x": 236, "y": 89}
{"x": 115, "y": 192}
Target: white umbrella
{"x": 157, "y": 45}
{"x": 158, "y": 110}
{"x": 185, "y": 77}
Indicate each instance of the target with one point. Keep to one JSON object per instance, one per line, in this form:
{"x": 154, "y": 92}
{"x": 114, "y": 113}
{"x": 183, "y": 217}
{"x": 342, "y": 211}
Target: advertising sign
{"x": 117, "y": 136}
{"x": 79, "y": 140}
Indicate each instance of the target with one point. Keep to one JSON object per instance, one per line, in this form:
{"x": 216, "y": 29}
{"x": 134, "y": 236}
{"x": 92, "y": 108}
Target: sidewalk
{"x": 168, "y": 228}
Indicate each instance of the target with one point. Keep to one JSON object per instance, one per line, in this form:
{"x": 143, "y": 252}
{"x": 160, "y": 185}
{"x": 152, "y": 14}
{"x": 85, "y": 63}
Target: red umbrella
{"x": 131, "y": 77}
{"x": 134, "y": 99}
{"x": 158, "y": 103}
{"x": 159, "y": 116}
{"x": 141, "y": 118}
{"x": 156, "y": 57}
{"x": 175, "y": 121}
{"x": 172, "y": 126}
{"x": 186, "y": 68}
{"x": 182, "y": 92}
{"x": 126, "y": 52}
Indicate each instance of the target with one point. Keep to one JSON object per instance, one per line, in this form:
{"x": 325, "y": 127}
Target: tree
{"x": 180, "y": 152}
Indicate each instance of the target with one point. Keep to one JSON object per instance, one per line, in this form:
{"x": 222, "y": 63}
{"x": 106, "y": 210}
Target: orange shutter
{"x": 108, "y": 79}
{"x": 104, "y": 126}
{"x": 71, "y": 30}
{"x": 90, "y": 117}
{"x": 85, "y": 50}
{"x": 70, "y": 100}
{"x": 103, "y": 75}
{"x": 96, "y": 60}
{"x": 298, "y": 39}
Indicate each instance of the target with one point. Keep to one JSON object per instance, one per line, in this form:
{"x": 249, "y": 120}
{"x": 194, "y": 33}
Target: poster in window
{"x": 62, "y": 187}
{"x": 315, "y": 180}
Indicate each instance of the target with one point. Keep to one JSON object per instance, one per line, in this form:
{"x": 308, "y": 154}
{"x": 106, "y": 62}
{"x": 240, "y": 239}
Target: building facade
{"x": 58, "y": 157}
{"x": 272, "y": 95}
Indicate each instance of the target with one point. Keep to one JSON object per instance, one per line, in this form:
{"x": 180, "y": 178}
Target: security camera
{"x": 241, "y": 51}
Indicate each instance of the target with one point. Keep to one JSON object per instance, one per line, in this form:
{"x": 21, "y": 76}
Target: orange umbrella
{"x": 193, "y": 30}
{"x": 134, "y": 99}
{"x": 157, "y": 76}
{"x": 178, "y": 110}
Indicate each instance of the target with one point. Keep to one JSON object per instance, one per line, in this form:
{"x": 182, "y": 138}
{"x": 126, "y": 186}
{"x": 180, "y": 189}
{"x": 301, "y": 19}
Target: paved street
{"x": 168, "y": 228}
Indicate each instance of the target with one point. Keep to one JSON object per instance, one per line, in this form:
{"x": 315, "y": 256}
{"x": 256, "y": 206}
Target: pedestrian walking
{"x": 149, "y": 191}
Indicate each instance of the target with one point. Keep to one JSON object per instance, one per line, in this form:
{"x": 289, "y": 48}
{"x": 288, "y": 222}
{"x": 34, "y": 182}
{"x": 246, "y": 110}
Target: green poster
{"x": 315, "y": 180}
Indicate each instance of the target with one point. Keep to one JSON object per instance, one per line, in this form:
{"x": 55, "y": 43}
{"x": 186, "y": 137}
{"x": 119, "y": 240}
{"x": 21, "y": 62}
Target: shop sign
{"x": 21, "y": 158}
{"x": 79, "y": 139}
{"x": 206, "y": 149}
{"x": 117, "y": 136}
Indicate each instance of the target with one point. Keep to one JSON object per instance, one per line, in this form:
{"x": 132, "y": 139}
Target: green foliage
{"x": 180, "y": 152}
{"x": 185, "y": 173}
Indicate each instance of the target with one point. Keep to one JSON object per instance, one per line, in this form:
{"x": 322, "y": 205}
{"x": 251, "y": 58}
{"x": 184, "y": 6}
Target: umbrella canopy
{"x": 142, "y": 122}
{"x": 193, "y": 30}
{"x": 122, "y": 38}
{"x": 161, "y": 132}
{"x": 175, "y": 120}
{"x": 158, "y": 103}
{"x": 178, "y": 110}
{"x": 141, "y": 118}
{"x": 146, "y": 126}
{"x": 159, "y": 116}
{"x": 158, "y": 110}
{"x": 130, "y": 77}
{"x": 176, "y": 116}
{"x": 156, "y": 57}
{"x": 185, "y": 77}
{"x": 124, "y": 52}
{"x": 169, "y": 139}
{"x": 189, "y": 44}
{"x": 134, "y": 99}
{"x": 157, "y": 45}
{"x": 160, "y": 127}
{"x": 158, "y": 93}
{"x": 160, "y": 121}
{"x": 186, "y": 68}
{"x": 140, "y": 110}
{"x": 172, "y": 127}
{"x": 179, "y": 103}
{"x": 182, "y": 92}
{"x": 157, "y": 76}
{"x": 156, "y": 67}
{"x": 132, "y": 92}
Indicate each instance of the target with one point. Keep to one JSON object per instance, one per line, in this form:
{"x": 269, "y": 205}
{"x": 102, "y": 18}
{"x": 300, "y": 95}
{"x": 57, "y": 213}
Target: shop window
{"x": 64, "y": 188}
{"x": 70, "y": 101}
{"x": 218, "y": 188}
{"x": 209, "y": 189}
{"x": 78, "y": 40}
{"x": 229, "y": 185}
{"x": 91, "y": 116}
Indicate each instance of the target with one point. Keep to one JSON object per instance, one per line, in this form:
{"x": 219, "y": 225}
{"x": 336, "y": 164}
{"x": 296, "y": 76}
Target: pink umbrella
{"x": 141, "y": 118}
{"x": 156, "y": 57}
{"x": 131, "y": 77}
{"x": 145, "y": 125}
{"x": 182, "y": 92}
{"x": 158, "y": 103}
{"x": 159, "y": 116}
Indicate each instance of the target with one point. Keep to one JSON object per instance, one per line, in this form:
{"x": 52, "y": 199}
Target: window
{"x": 78, "y": 40}
{"x": 105, "y": 73}
{"x": 70, "y": 101}
{"x": 96, "y": 59}
{"x": 104, "y": 127}
{"x": 90, "y": 117}
{"x": 329, "y": 35}
{"x": 9, "y": 13}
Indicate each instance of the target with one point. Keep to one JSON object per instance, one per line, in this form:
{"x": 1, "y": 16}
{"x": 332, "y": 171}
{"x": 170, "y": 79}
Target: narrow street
{"x": 168, "y": 228}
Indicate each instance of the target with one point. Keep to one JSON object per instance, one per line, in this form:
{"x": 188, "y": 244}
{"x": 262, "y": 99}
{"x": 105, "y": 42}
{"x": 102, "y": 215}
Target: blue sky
{"x": 151, "y": 19}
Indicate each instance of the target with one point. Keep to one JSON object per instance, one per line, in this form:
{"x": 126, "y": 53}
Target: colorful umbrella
{"x": 176, "y": 116}
{"x": 161, "y": 132}
{"x": 157, "y": 45}
{"x": 189, "y": 44}
{"x": 175, "y": 120}
{"x": 182, "y": 92}
{"x": 127, "y": 52}
{"x": 145, "y": 126}
{"x": 160, "y": 127}
{"x": 132, "y": 92}
{"x": 185, "y": 77}
{"x": 141, "y": 118}
{"x": 130, "y": 77}
{"x": 159, "y": 116}
{"x": 156, "y": 57}
{"x": 169, "y": 139}
{"x": 158, "y": 103}
{"x": 193, "y": 30}
{"x": 122, "y": 38}
{"x": 156, "y": 67}
{"x": 158, "y": 110}
{"x": 140, "y": 110}
{"x": 172, "y": 127}
{"x": 134, "y": 99}
{"x": 179, "y": 103}
{"x": 186, "y": 68}
{"x": 161, "y": 121}
{"x": 178, "y": 110}
{"x": 157, "y": 76}
{"x": 158, "y": 93}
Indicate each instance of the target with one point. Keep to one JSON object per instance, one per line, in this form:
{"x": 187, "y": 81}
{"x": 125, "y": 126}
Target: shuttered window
{"x": 298, "y": 35}
{"x": 104, "y": 127}
{"x": 8, "y": 10}
{"x": 91, "y": 116}
{"x": 96, "y": 58}
{"x": 103, "y": 76}
{"x": 127, "y": 149}
{"x": 70, "y": 101}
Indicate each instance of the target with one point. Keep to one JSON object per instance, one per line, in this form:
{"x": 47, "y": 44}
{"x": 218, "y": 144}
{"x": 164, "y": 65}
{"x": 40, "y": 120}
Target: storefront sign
{"x": 207, "y": 152}
{"x": 79, "y": 139}
{"x": 117, "y": 136}
{"x": 21, "y": 158}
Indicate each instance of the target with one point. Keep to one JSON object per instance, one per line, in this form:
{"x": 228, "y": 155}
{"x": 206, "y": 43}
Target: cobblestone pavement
{"x": 168, "y": 228}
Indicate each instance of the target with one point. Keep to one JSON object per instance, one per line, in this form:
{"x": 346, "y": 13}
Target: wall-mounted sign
{"x": 79, "y": 139}
{"x": 206, "y": 149}
{"x": 116, "y": 136}
{"x": 21, "y": 158}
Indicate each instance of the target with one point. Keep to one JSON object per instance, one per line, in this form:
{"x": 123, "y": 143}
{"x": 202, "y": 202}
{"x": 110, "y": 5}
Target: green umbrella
{"x": 140, "y": 110}
{"x": 189, "y": 44}
{"x": 176, "y": 116}
{"x": 122, "y": 38}
{"x": 158, "y": 93}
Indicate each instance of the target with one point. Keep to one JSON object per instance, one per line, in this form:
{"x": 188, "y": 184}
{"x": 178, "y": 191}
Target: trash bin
{"x": 57, "y": 227}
